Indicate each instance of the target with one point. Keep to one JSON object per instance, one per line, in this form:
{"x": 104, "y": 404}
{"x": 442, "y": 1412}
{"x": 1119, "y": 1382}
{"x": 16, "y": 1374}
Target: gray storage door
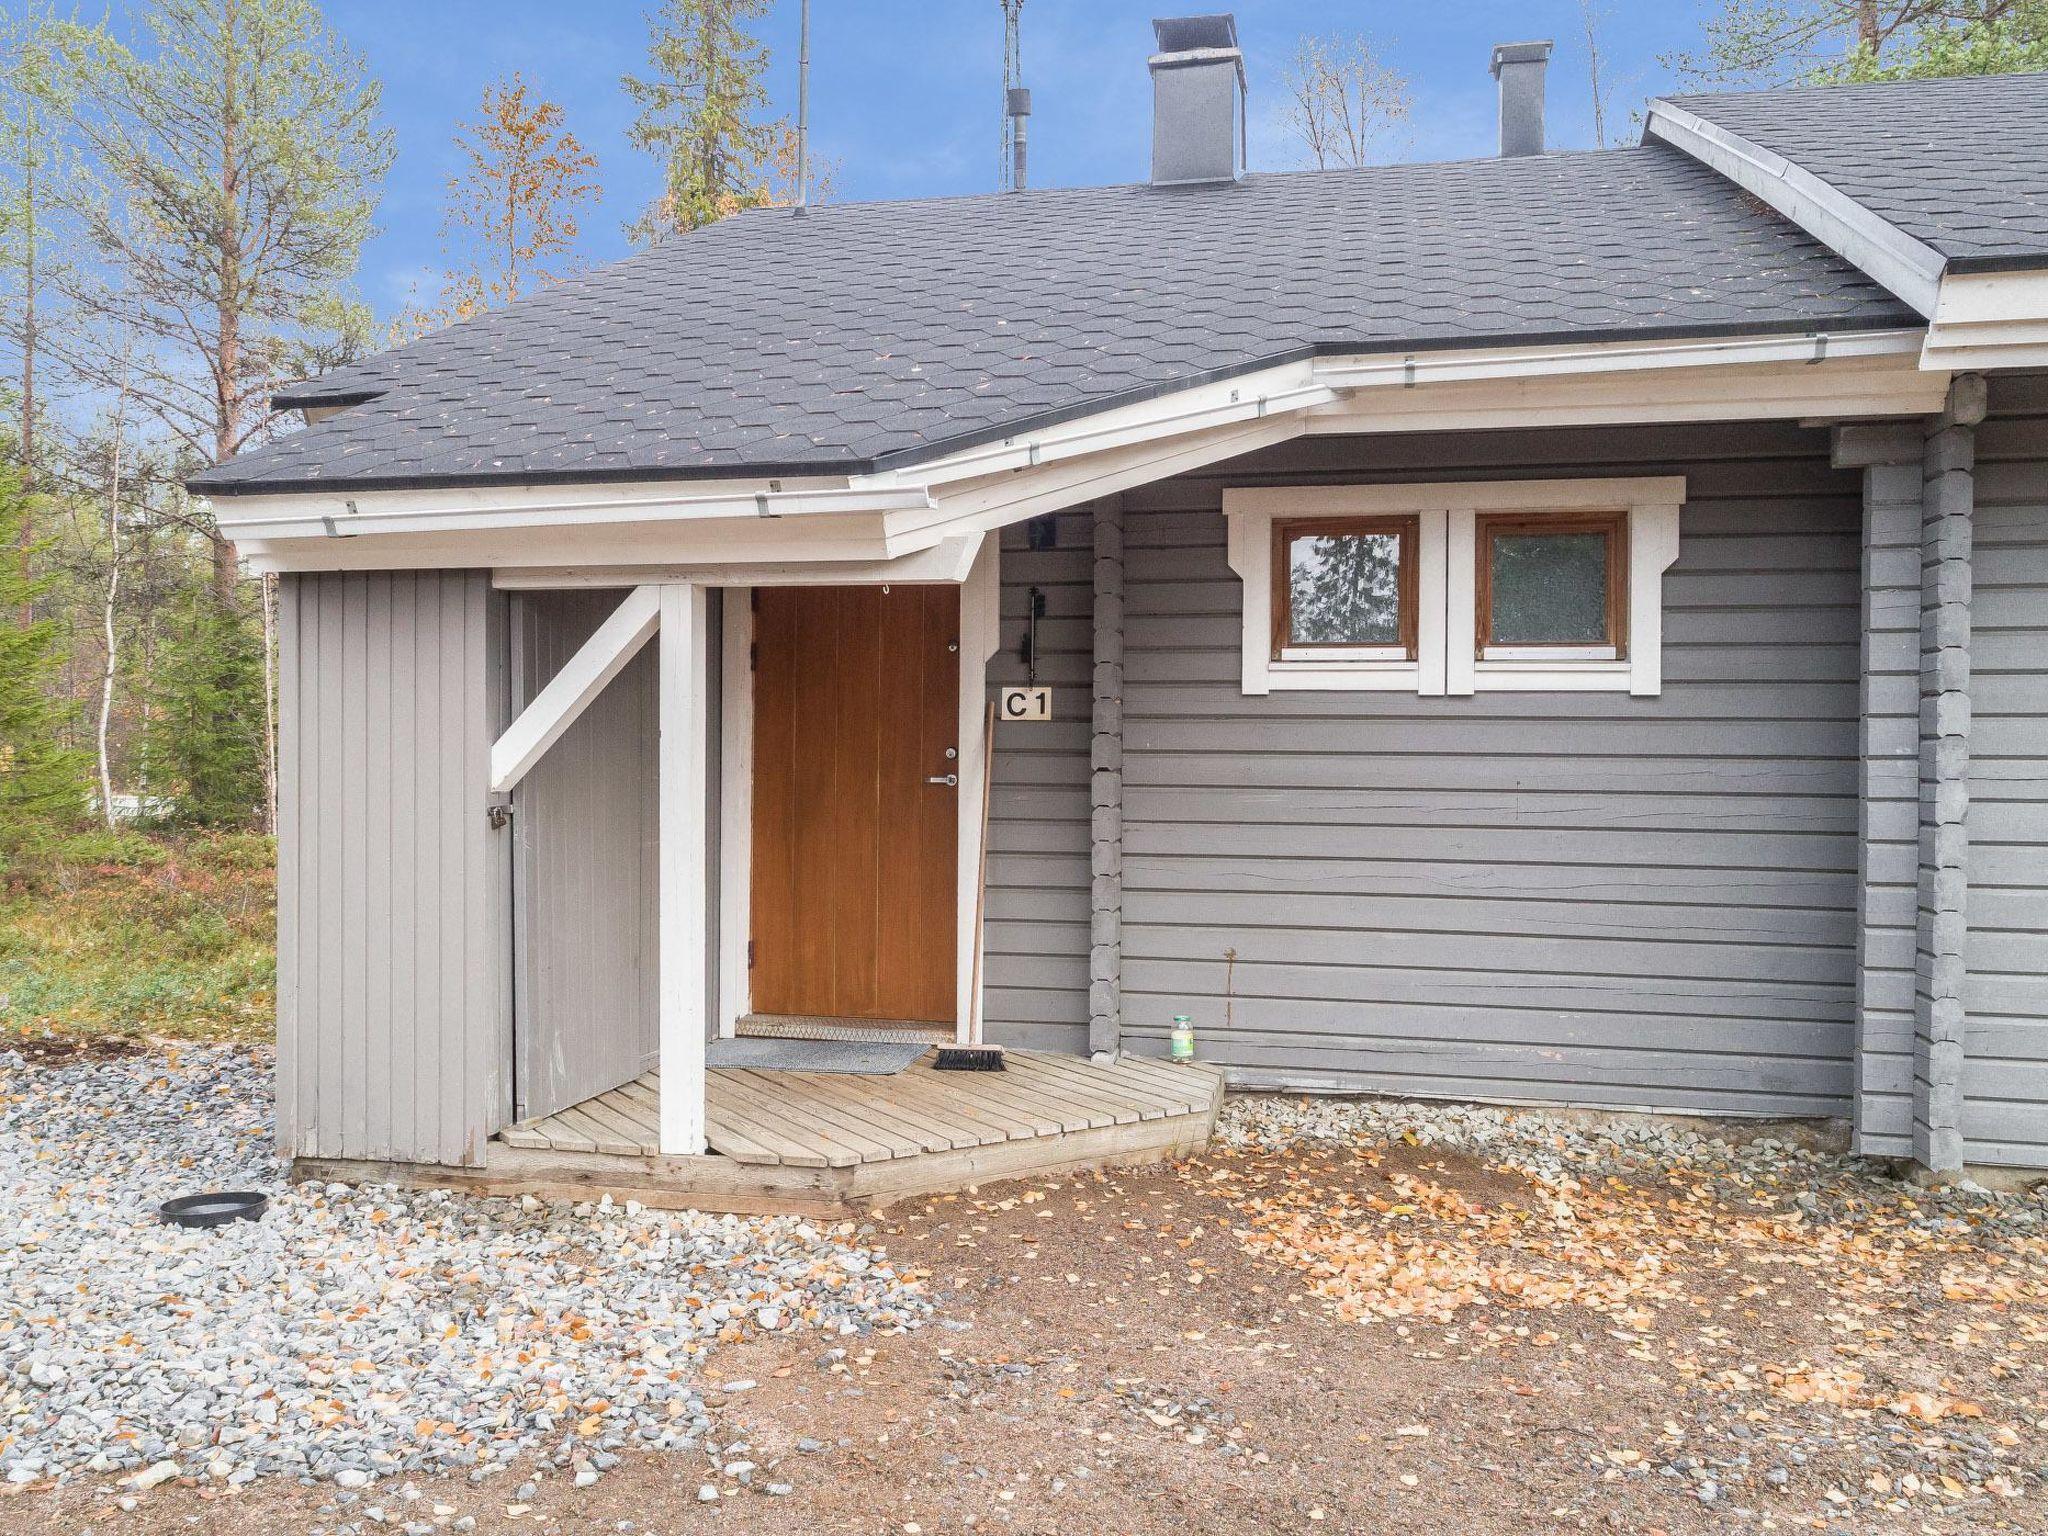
{"x": 584, "y": 870}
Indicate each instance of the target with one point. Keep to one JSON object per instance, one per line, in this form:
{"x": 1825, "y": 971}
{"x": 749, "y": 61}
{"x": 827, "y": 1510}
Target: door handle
{"x": 950, "y": 780}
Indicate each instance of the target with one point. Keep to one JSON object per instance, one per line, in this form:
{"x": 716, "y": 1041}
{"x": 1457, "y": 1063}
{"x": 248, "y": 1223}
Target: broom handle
{"x": 988, "y": 772}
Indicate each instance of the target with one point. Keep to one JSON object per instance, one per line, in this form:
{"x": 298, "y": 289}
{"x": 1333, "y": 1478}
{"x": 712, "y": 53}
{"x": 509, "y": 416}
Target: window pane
{"x": 1344, "y": 589}
{"x": 1549, "y": 589}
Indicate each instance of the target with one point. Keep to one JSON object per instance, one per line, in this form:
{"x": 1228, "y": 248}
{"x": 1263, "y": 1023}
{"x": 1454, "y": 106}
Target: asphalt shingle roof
{"x": 1959, "y": 164}
{"x": 864, "y": 335}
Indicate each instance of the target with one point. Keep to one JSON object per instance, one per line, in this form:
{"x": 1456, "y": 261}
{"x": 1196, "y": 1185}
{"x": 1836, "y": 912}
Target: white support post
{"x": 684, "y": 893}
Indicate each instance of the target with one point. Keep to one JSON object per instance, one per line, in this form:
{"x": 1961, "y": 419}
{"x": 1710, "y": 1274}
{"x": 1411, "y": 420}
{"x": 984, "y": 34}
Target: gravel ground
{"x": 354, "y": 1334}
{"x": 1559, "y": 1149}
{"x": 1345, "y": 1316}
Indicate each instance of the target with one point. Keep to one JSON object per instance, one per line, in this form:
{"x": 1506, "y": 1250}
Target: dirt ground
{"x": 1332, "y": 1338}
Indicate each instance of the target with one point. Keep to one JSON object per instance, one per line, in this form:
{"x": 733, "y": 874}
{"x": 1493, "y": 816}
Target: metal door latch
{"x": 499, "y": 816}
{"x": 950, "y": 780}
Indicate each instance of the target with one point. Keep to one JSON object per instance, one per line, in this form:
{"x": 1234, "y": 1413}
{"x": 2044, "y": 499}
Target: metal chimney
{"x": 1519, "y": 68}
{"x": 1017, "y": 99}
{"x": 1198, "y": 100}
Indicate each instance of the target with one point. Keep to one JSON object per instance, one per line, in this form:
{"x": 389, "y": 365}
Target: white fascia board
{"x": 1836, "y": 387}
{"x": 948, "y": 561}
{"x": 338, "y": 514}
{"x": 1990, "y": 320}
{"x": 1908, "y": 267}
{"x": 1410, "y": 370}
{"x": 686, "y": 543}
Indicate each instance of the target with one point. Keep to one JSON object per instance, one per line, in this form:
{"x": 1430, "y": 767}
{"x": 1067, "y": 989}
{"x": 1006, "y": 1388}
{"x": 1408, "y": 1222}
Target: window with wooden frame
{"x": 1454, "y": 587}
{"x": 1552, "y": 588}
{"x": 1344, "y": 589}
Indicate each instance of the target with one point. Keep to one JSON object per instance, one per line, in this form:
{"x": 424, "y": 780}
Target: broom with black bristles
{"x": 977, "y": 1057}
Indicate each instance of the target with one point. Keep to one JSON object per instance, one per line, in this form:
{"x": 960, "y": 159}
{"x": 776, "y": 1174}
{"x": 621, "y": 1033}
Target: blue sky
{"x": 905, "y": 93}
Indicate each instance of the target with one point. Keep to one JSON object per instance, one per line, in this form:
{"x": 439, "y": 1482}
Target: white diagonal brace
{"x": 582, "y": 678}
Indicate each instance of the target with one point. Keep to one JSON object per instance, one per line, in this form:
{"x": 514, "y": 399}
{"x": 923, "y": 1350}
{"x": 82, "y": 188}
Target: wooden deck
{"x": 836, "y": 1120}
{"x": 830, "y": 1143}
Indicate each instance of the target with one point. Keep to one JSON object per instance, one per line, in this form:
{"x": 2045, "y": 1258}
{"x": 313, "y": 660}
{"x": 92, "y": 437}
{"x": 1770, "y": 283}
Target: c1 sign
{"x": 1022, "y": 703}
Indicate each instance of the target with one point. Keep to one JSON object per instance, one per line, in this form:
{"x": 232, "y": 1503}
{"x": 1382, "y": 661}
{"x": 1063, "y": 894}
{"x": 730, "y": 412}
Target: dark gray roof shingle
{"x": 865, "y": 335}
{"x": 1959, "y": 164}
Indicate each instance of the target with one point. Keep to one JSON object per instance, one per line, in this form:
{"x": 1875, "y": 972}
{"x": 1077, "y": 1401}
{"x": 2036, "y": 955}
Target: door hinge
{"x": 750, "y": 954}
{"x": 753, "y": 657}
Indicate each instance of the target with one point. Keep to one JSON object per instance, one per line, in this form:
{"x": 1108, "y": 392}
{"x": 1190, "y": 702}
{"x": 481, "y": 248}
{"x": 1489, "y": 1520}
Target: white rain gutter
{"x": 1407, "y": 370}
{"x": 355, "y": 519}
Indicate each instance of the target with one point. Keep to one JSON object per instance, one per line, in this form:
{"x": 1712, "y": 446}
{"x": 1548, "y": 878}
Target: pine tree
{"x": 700, "y": 114}
{"x": 242, "y": 153}
{"x": 42, "y": 782}
{"x": 203, "y": 750}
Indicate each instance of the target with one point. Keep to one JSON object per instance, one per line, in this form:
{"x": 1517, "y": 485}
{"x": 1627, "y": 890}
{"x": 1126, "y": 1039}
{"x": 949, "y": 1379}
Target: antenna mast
{"x": 803, "y": 111}
{"x": 1008, "y": 177}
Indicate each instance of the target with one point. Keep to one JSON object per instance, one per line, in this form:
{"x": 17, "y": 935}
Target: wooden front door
{"x": 856, "y": 832}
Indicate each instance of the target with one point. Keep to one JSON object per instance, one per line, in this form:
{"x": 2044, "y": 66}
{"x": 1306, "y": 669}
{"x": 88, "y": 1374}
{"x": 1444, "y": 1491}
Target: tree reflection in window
{"x": 1345, "y": 588}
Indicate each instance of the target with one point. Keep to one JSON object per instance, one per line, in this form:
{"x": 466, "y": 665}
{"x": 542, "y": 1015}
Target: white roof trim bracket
{"x": 1908, "y": 267}
{"x": 1989, "y": 320}
{"x": 1265, "y": 392}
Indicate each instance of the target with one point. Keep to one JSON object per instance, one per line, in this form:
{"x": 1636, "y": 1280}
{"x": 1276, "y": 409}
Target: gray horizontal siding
{"x": 1036, "y": 937}
{"x": 2005, "y": 1073}
{"x": 393, "y": 955}
{"x": 1581, "y": 898}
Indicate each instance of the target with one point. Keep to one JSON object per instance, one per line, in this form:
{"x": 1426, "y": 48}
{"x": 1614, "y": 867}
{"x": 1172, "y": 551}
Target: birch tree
{"x": 512, "y": 215}
{"x": 1345, "y": 105}
{"x": 1778, "y": 42}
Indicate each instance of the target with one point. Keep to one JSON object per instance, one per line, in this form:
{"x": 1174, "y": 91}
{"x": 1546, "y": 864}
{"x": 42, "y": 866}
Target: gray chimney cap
{"x": 1519, "y": 53}
{"x": 1184, "y": 34}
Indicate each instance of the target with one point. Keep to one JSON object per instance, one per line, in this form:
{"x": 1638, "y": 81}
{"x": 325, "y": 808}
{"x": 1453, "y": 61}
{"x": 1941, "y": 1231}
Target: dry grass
{"x": 132, "y": 935}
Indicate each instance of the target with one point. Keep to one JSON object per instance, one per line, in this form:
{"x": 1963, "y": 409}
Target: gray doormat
{"x": 859, "y": 1058}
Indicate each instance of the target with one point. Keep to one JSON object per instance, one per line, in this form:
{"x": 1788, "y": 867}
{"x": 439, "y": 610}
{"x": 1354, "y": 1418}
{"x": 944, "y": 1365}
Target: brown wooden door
{"x": 856, "y": 705}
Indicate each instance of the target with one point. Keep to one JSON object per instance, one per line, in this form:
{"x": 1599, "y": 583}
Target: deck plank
{"x": 1084, "y": 1080}
{"x": 1048, "y": 1112}
{"x": 891, "y": 1108}
{"x": 631, "y": 1131}
{"x": 926, "y": 1101}
{"x": 1198, "y": 1085}
{"x": 792, "y": 1121}
{"x": 1014, "y": 1115}
{"x": 856, "y": 1122}
{"x": 1071, "y": 1096}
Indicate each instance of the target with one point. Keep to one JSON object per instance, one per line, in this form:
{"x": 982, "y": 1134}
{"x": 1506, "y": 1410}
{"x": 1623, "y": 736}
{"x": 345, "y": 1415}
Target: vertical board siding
{"x": 1035, "y": 943}
{"x": 1890, "y": 813}
{"x": 2005, "y": 1073}
{"x": 1583, "y": 898}
{"x": 587, "y": 831}
{"x": 393, "y": 1013}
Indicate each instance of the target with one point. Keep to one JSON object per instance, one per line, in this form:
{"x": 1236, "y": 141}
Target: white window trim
{"x": 1447, "y": 570}
{"x": 1251, "y": 515}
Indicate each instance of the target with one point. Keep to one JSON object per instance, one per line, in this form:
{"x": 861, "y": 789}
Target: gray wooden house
{"x": 1563, "y": 628}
